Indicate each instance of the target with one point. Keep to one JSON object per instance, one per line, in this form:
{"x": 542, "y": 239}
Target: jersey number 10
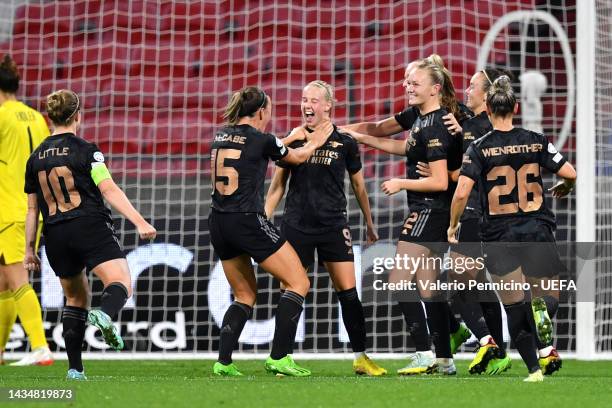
{"x": 62, "y": 195}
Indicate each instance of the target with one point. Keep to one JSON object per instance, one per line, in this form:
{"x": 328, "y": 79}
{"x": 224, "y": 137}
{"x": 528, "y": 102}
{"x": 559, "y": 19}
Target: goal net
{"x": 154, "y": 77}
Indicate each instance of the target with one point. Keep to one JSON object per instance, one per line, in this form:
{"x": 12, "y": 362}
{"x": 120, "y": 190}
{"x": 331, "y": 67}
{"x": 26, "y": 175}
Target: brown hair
{"x": 9, "y": 75}
{"x": 245, "y": 102}
{"x": 62, "y": 107}
{"x": 500, "y": 97}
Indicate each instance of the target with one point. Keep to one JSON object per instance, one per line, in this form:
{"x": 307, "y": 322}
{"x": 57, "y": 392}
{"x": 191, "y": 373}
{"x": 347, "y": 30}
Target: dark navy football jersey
{"x": 316, "y": 201}
{"x": 507, "y": 166}
{"x": 474, "y": 128}
{"x": 408, "y": 116}
{"x": 430, "y": 141}
{"x": 59, "y": 172}
{"x": 239, "y": 160}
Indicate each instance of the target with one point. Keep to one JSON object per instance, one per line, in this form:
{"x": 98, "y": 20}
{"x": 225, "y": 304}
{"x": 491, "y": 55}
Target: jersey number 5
{"x": 219, "y": 169}
{"x": 524, "y": 188}
{"x": 62, "y": 195}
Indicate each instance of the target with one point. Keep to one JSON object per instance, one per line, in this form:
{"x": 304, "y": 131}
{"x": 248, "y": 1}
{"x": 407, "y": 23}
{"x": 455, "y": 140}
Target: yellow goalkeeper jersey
{"x": 22, "y": 129}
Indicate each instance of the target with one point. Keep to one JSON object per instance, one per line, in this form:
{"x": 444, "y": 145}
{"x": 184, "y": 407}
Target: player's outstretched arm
{"x": 276, "y": 190}
{"x": 393, "y": 146}
{"x": 118, "y": 200}
{"x": 382, "y": 128}
{"x": 564, "y": 187}
{"x": 358, "y": 185}
{"x": 31, "y": 262}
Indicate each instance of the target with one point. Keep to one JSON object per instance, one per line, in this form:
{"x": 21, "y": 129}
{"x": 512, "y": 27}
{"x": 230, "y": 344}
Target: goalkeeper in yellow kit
{"x": 21, "y": 131}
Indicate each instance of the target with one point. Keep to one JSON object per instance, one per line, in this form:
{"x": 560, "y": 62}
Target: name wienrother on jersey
{"x": 507, "y": 166}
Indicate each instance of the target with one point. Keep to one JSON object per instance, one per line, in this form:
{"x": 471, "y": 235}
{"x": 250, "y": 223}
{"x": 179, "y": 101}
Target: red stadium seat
{"x": 115, "y": 134}
{"x": 179, "y": 135}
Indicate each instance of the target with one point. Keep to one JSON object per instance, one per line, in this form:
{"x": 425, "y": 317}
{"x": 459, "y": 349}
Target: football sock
{"x": 73, "y": 319}
{"x": 288, "y": 313}
{"x": 233, "y": 322}
{"x": 353, "y": 317}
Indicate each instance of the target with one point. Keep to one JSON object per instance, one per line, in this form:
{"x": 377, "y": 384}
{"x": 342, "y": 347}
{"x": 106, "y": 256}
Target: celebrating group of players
{"x": 472, "y": 180}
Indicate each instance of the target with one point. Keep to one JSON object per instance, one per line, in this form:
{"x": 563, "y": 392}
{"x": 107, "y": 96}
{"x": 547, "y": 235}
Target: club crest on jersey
{"x": 335, "y": 144}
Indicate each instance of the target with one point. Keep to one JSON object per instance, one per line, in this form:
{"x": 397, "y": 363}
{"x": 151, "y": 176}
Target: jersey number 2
{"x": 219, "y": 169}
{"x": 62, "y": 195}
{"x": 524, "y": 188}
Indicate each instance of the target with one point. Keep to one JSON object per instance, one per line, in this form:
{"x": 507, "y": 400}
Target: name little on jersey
{"x": 56, "y": 151}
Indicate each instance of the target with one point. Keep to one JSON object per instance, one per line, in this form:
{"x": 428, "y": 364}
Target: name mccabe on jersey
{"x": 224, "y": 137}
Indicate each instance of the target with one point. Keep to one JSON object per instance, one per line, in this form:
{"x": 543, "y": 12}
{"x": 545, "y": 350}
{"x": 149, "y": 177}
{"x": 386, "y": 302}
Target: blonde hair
{"x": 329, "y": 90}
{"x": 62, "y": 107}
{"x": 245, "y": 102}
{"x": 434, "y": 64}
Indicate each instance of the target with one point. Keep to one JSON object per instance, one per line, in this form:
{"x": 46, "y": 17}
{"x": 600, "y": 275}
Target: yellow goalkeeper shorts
{"x": 12, "y": 242}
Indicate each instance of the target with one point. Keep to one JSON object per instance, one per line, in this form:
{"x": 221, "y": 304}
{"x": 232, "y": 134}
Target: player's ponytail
{"x": 9, "y": 75}
{"x": 62, "y": 107}
{"x": 440, "y": 75}
{"x": 490, "y": 75}
{"x": 500, "y": 97}
{"x": 245, "y": 102}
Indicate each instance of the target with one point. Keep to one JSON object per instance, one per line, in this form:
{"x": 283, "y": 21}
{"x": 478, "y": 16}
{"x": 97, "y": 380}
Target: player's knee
{"x": 299, "y": 285}
{"x": 245, "y": 297}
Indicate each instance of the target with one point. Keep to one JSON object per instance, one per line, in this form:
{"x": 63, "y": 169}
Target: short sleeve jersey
{"x": 507, "y": 166}
{"x": 429, "y": 141}
{"x": 59, "y": 173}
{"x": 316, "y": 201}
{"x": 239, "y": 161}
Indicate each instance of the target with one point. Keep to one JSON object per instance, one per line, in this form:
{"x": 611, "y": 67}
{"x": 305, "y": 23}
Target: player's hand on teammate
{"x": 146, "y": 231}
{"x": 423, "y": 169}
{"x": 391, "y": 187}
{"x": 452, "y": 233}
{"x": 298, "y": 133}
{"x": 371, "y": 234}
{"x": 321, "y": 133}
{"x": 31, "y": 261}
{"x": 561, "y": 189}
{"x": 355, "y": 135}
{"x": 454, "y": 128}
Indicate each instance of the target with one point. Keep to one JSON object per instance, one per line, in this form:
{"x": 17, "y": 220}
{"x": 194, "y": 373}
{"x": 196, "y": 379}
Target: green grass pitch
{"x": 172, "y": 384}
